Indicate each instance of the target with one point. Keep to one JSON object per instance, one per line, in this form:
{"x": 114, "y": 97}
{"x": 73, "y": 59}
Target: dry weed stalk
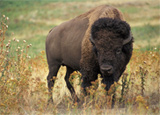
{"x": 143, "y": 74}
{"x": 15, "y": 72}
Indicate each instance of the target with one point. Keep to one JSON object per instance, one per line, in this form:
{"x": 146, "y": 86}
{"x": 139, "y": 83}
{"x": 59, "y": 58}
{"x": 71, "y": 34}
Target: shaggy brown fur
{"x": 93, "y": 15}
{"x": 87, "y": 60}
{"x": 101, "y": 51}
{"x": 107, "y": 36}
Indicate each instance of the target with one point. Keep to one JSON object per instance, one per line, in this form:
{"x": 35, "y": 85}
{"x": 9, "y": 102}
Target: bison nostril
{"x": 107, "y": 68}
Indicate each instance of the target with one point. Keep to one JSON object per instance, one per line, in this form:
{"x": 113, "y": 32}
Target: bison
{"x": 96, "y": 42}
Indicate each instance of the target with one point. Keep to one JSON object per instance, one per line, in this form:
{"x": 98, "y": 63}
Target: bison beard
{"x": 91, "y": 45}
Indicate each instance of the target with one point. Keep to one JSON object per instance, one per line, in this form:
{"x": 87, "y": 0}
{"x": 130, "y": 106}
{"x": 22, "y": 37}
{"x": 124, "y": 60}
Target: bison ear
{"x": 126, "y": 41}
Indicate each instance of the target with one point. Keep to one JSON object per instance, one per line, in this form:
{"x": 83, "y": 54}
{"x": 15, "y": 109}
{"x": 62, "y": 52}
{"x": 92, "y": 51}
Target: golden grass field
{"x": 23, "y": 84}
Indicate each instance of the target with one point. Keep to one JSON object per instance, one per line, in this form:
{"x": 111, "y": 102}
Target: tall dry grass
{"x": 24, "y": 90}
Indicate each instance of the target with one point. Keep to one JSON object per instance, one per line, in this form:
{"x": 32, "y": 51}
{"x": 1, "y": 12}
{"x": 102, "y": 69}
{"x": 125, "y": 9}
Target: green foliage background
{"x": 32, "y": 20}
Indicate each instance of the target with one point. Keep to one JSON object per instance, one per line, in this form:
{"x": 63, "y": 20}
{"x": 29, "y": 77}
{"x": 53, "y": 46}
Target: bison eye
{"x": 118, "y": 51}
{"x": 95, "y": 50}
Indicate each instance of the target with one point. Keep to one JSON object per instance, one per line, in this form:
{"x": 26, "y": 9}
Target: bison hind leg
{"x": 53, "y": 70}
{"x": 69, "y": 86}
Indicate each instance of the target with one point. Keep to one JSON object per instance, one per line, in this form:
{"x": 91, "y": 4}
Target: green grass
{"x": 156, "y": 7}
{"x": 38, "y": 44}
{"x": 31, "y": 20}
{"x": 146, "y": 32}
{"x": 130, "y": 9}
{"x": 151, "y": 48}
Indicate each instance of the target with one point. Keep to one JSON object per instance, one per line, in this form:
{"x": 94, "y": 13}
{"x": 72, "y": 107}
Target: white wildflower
{"x": 7, "y": 45}
{"x": 24, "y": 41}
{"x": 14, "y": 39}
{"x": 17, "y": 40}
{"x": 7, "y": 18}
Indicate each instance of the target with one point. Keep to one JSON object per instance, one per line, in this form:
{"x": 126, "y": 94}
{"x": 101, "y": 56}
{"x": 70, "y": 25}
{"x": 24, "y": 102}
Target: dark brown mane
{"x": 113, "y": 25}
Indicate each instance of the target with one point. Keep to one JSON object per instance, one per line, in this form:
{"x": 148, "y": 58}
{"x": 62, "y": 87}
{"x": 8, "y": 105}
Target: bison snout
{"x": 107, "y": 69}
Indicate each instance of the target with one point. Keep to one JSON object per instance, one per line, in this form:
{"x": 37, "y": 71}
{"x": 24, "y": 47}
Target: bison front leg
{"x": 85, "y": 83}
{"x": 52, "y": 73}
{"x": 108, "y": 81}
{"x": 87, "y": 78}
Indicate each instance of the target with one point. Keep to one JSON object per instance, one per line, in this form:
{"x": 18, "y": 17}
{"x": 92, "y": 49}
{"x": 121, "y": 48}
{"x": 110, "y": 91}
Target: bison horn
{"x": 91, "y": 39}
{"x": 127, "y": 40}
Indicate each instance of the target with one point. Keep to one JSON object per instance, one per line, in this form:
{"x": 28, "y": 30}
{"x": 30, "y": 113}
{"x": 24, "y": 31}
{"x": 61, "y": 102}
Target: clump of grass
{"x": 144, "y": 67}
{"x": 18, "y": 88}
{"x": 125, "y": 89}
{"x": 143, "y": 74}
{"x": 15, "y": 71}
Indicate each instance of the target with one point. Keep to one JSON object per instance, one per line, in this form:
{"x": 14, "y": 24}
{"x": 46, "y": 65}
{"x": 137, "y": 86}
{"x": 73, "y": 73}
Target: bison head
{"x": 112, "y": 46}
